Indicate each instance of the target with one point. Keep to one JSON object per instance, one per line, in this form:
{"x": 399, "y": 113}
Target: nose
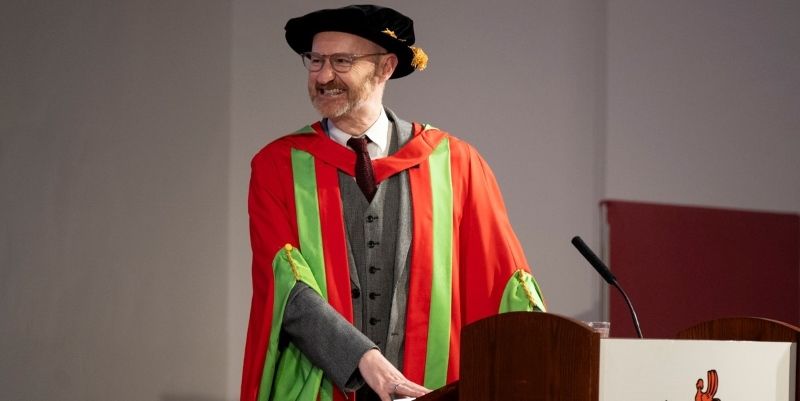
{"x": 326, "y": 74}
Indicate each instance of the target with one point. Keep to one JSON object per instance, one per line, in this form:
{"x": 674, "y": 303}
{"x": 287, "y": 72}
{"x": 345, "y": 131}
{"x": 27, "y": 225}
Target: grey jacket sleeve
{"x": 328, "y": 340}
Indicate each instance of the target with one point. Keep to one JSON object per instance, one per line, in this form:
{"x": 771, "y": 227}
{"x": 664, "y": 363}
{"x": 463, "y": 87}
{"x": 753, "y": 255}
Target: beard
{"x": 338, "y": 105}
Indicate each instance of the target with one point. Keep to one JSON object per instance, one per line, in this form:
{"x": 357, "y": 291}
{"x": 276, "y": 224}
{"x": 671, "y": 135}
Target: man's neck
{"x": 357, "y": 123}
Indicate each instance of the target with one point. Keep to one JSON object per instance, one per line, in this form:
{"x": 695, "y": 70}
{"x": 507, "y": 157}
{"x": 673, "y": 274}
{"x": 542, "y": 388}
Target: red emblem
{"x": 707, "y": 395}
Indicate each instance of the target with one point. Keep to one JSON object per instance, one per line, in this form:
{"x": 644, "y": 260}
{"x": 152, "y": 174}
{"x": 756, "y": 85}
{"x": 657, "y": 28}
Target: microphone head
{"x": 593, "y": 260}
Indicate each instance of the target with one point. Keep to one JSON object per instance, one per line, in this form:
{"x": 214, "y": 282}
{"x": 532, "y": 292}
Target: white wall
{"x": 113, "y": 169}
{"x": 704, "y": 103}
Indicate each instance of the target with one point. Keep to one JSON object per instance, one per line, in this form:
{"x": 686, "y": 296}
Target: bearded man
{"x": 374, "y": 239}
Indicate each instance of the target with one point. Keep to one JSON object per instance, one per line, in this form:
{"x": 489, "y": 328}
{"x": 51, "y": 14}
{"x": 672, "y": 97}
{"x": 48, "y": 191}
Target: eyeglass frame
{"x": 352, "y": 58}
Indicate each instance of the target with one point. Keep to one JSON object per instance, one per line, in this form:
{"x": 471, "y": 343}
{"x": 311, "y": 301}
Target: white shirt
{"x": 378, "y": 134}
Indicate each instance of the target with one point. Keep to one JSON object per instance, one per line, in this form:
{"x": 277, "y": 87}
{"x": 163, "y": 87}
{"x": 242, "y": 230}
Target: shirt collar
{"x": 378, "y": 133}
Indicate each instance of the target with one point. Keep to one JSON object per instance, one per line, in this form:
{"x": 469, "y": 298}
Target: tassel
{"x": 420, "y": 60}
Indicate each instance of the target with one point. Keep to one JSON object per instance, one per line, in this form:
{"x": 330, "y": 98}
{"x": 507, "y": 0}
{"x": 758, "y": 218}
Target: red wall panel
{"x": 683, "y": 265}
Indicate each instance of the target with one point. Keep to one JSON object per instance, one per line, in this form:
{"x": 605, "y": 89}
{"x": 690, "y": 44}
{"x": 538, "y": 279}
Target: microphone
{"x": 607, "y": 276}
{"x": 594, "y": 260}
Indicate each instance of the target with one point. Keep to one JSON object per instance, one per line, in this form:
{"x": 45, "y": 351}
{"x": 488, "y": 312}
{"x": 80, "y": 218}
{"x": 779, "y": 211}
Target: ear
{"x": 388, "y": 66}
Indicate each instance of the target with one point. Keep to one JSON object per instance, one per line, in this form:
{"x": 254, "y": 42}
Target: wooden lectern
{"x": 526, "y": 356}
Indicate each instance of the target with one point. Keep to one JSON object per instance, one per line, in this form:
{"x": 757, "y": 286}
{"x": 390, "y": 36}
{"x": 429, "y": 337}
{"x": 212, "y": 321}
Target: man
{"x": 374, "y": 240}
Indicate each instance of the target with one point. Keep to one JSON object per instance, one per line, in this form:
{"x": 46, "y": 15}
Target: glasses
{"x": 341, "y": 62}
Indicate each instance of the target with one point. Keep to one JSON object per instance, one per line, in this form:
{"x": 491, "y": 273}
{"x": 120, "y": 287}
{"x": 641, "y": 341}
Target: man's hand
{"x": 385, "y": 379}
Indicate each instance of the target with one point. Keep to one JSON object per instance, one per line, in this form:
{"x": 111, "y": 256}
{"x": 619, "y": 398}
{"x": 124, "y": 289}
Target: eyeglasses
{"x": 341, "y": 62}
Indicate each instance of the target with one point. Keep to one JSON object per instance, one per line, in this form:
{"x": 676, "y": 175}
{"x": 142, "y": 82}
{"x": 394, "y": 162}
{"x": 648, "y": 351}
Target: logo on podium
{"x": 711, "y": 391}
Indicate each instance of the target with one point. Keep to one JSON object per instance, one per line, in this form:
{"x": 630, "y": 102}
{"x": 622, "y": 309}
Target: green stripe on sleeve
{"x": 288, "y": 373}
{"x": 441, "y": 283}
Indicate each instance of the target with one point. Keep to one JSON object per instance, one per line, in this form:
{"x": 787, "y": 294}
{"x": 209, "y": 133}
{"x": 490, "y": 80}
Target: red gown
{"x": 466, "y": 262}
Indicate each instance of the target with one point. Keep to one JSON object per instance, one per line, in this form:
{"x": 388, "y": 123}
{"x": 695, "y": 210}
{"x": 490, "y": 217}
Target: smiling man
{"x": 374, "y": 239}
{"x": 349, "y": 92}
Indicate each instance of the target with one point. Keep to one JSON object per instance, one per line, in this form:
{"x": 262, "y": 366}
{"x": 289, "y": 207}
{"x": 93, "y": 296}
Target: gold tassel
{"x": 288, "y": 250}
{"x": 420, "y": 60}
{"x": 521, "y": 275}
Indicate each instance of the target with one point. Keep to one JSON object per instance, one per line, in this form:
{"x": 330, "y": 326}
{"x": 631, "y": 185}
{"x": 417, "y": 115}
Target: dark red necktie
{"x": 364, "y": 176}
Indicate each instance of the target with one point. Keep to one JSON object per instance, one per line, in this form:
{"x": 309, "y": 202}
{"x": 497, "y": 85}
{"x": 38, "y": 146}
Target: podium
{"x": 524, "y": 356}
{"x": 746, "y": 329}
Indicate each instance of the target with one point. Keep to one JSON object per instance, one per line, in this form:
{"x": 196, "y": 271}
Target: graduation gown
{"x": 466, "y": 263}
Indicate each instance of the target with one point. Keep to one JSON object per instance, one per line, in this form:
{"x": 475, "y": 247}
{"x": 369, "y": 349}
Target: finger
{"x": 386, "y": 392}
{"x": 411, "y": 389}
{"x": 390, "y": 390}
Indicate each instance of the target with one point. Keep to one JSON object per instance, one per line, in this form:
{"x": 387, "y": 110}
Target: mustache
{"x": 331, "y": 85}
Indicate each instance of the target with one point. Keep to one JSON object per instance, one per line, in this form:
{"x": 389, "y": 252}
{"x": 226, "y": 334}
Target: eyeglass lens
{"x": 341, "y": 62}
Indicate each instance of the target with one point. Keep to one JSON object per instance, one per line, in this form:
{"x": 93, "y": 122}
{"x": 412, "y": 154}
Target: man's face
{"x": 336, "y": 94}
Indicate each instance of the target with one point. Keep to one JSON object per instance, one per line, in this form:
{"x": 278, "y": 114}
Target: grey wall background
{"x": 127, "y": 128}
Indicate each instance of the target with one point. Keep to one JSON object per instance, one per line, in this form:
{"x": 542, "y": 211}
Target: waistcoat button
{"x": 373, "y": 244}
{"x": 373, "y": 295}
{"x": 373, "y": 269}
{"x": 355, "y": 293}
{"x": 374, "y": 321}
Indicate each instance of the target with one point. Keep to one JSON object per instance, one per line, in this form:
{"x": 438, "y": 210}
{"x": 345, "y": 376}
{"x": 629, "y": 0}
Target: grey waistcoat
{"x": 379, "y": 238}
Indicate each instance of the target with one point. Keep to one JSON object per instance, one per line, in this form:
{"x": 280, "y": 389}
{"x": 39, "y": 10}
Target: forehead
{"x": 341, "y": 42}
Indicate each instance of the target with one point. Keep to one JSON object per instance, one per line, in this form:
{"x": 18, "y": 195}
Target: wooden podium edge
{"x": 526, "y": 356}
